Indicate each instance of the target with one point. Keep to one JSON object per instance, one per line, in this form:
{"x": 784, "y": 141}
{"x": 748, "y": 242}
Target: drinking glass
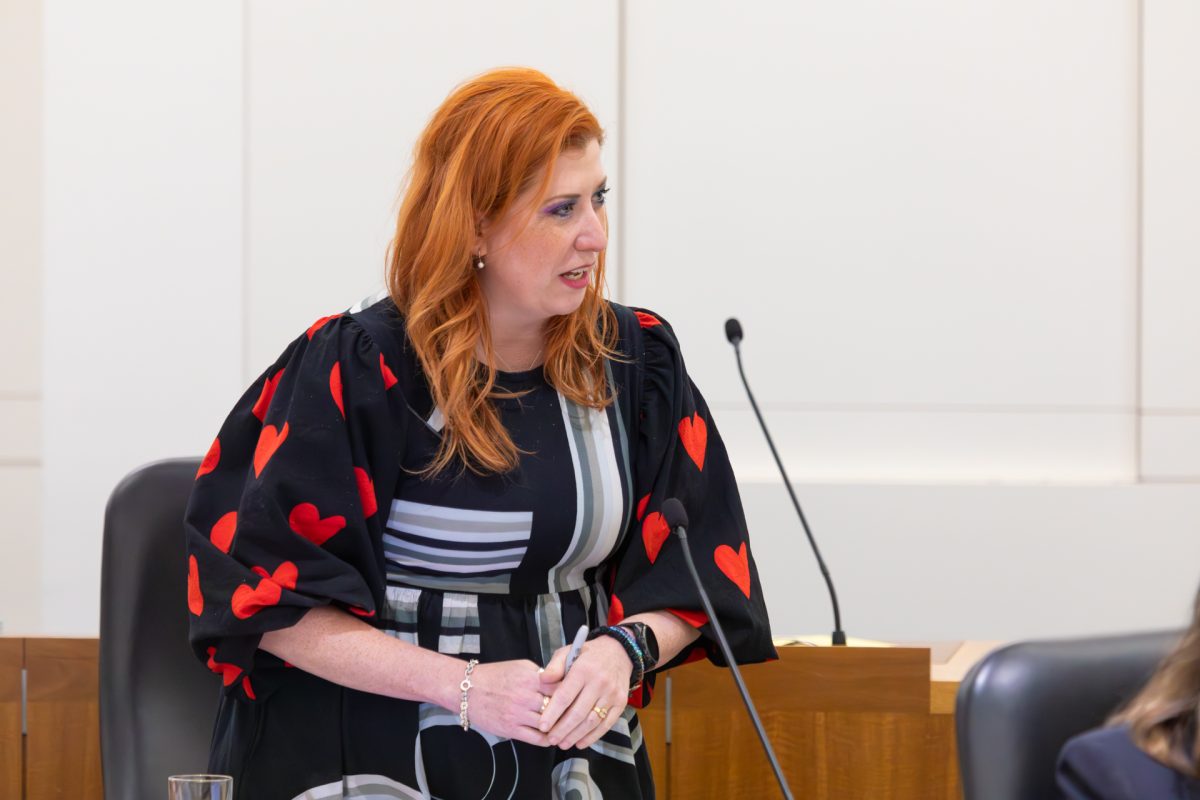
{"x": 200, "y": 787}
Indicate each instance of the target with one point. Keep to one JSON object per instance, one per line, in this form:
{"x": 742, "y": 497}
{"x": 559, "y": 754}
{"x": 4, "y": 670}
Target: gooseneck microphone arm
{"x": 676, "y": 518}
{"x": 733, "y": 332}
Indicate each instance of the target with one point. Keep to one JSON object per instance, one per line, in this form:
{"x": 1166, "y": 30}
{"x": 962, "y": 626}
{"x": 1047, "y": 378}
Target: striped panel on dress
{"x": 401, "y": 618}
{"x": 600, "y": 507}
{"x": 475, "y": 550}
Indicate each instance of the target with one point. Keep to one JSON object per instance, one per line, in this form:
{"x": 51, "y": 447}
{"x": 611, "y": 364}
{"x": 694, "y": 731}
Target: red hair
{"x": 489, "y": 141}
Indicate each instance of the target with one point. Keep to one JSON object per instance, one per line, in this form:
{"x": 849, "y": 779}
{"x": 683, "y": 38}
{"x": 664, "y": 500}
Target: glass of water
{"x": 199, "y": 787}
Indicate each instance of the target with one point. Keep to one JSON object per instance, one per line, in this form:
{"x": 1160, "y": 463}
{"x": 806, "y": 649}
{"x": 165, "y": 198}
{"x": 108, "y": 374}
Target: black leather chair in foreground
{"x": 157, "y": 701}
{"x": 1019, "y": 705}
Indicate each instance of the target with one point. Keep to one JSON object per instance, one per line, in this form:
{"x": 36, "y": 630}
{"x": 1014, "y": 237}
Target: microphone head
{"x": 673, "y": 513}
{"x": 733, "y": 330}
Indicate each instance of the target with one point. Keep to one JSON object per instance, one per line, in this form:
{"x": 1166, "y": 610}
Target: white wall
{"x": 20, "y": 313}
{"x": 961, "y": 240}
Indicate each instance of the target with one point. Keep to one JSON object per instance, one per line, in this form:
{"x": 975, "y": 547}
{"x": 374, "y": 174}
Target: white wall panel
{"x": 934, "y": 446}
{"x": 907, "y": 205}
{"x": 1171, "y": 447}
{"x": 337, "y": 96}
{"x": 1171, "y": 244}
{"x": 142, "y": 248}
{"x": 21, "y": 196}
{"x": 979, "y": 562}
{"x": 20, "y": 431}
{"x": 20, "y": 543}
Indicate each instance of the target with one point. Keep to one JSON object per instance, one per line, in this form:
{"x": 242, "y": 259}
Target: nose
{"x": 593, "y": 236}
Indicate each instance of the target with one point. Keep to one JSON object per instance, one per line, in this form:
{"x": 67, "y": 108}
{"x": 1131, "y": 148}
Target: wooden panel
{"x": 11, "y": 658}
{"x": 654, "y": 732}
{"x": 844, "y": 722}
{"x": 62, "y": 748}
{"x": 893, "y": 679}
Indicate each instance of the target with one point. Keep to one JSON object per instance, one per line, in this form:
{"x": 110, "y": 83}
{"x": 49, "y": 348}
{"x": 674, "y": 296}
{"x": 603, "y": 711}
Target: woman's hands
{"x": 599, "y": 678}
{"x": 506, "y": 700}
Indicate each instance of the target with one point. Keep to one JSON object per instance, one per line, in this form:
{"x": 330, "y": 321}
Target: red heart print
{"x": 641, "y": 509}
{"x": 211, "y": 458}
{"x": 195, "y": 598}
{"x": 247, "y": 602}
{"x": 654, "y": 532}
{"x": 389, "y": 377}
{"x": 306, "y": 521}
{"x": 222, "y": 533}
{"x": 316, "y": 326}
{"x": 361, "y": 612}
{"x": 264, "y": 399}
{"x": 693, "y": 432}
{"x": 335, "y": 386}
{"x": 228, "y": 672}
{"x": 247, "y": 688}
{"x": 696, "y": 619}
{"x": 616, "y": 611}
{"x": 268, "y": 442}
{"x": 366, "y": 492}
{"x": 735, "y": 565}
{"x": 647, "y": 320}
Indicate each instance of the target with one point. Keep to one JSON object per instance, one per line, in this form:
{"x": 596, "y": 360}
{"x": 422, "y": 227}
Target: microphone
{"x": 676, "y": 518}
{"x": 733, "y": 332}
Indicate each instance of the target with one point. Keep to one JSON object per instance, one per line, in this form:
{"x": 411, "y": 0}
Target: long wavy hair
{"x": 494, "y": 137}
{"x": 1163, "y": 717}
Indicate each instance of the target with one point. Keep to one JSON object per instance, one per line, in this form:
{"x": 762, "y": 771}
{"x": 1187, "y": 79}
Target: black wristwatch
{"x": 646, "y": 641}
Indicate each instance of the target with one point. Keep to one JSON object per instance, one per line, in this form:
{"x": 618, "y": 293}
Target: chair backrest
{"x": 157, "y": 701}
{"x": 1018, "y": 706}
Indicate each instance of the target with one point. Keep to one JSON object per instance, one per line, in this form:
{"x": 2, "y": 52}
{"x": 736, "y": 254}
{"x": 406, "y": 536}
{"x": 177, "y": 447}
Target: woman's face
{"x": 541, "y": 255}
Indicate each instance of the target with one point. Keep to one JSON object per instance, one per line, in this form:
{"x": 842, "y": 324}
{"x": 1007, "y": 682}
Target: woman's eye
{"x": 598, "y": 197}
{"x": 563, "y": 211}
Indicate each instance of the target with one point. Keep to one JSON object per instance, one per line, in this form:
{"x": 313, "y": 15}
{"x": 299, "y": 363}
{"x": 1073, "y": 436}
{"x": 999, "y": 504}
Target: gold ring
{"x": 545, "y": 702}
{"x": 600, "y": 712}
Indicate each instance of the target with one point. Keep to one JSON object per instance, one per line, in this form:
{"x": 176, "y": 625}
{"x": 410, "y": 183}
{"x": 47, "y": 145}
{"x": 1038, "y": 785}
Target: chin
{"x": 562, "y": 309}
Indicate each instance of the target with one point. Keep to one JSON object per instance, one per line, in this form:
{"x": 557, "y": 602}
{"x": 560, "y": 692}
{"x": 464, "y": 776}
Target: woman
{"x": 405, "y": 520}
{"x": 1150, "y": 748}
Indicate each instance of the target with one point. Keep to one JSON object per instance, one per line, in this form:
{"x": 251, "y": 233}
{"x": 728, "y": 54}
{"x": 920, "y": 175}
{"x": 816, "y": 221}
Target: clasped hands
{"x": 516, "y": 700}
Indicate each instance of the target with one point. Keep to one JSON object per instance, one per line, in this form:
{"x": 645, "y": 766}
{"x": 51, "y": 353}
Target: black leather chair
{"x": 157, "y": 701}
{"x": 1019, "y": 705}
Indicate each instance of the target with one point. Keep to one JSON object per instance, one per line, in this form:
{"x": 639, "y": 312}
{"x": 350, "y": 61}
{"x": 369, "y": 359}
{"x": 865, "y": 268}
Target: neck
{"x": 518, "y": 346}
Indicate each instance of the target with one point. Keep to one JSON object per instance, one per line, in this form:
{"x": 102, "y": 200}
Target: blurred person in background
{"x": 1149, "y": 749}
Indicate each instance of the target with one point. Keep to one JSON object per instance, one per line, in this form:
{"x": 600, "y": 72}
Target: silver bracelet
{"x": 465, "y": 686}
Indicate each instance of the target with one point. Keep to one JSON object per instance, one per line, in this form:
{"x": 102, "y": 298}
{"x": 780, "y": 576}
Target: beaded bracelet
{"x": 629, "y": 643}
{"x": 465, "y": 686}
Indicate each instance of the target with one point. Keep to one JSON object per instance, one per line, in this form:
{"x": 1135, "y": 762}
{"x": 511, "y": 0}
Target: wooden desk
{"x": 59, "y": 754}
{"x": 845, "y": 723}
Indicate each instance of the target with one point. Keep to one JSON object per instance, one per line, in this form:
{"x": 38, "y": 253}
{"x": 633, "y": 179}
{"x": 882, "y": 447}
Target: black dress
{"x": 308, "y": 497}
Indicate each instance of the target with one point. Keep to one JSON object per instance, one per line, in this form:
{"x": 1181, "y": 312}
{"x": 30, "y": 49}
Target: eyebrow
{"x": 599, "y": 186}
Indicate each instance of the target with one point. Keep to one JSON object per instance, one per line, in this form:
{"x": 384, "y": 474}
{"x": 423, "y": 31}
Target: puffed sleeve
{"x": 680, "y": 454}
{"x": 286, "y": 510}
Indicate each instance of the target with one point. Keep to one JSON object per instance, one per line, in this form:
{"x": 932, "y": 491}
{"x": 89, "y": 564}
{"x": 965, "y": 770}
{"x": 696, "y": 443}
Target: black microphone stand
{"x": 733, "y": 332}
{"x": 677, "y": 519}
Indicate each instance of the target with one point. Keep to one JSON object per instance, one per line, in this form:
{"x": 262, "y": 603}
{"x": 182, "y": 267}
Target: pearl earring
{"x": 479, "y": 262}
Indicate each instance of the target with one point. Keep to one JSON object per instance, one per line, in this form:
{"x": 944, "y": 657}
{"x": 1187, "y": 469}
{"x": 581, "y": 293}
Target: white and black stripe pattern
{"x": 476, "y": 550}
{"x": 401, "y": 618}
{"x": 460, "y": 624}
{"x": 600, "y": 508}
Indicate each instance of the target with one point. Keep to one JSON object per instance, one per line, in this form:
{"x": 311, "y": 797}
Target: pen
{"x": 576, "y": 646}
